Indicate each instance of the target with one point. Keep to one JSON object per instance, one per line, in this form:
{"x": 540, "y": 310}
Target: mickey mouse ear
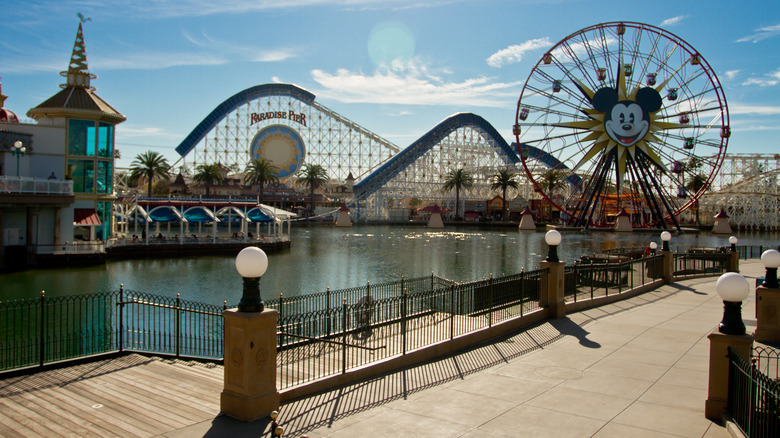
{"x": 649, "y": 99}
{"x": 604, "y": 99}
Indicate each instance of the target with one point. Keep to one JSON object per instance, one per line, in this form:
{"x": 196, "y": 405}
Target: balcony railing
{"x": 35, "y": 186}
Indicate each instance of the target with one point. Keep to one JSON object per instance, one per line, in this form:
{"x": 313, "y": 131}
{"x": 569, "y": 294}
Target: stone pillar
{"x": 553, "y": 288}
{"x": 668, "y": 263}
{"x": 249, "y": 391}
{"x": 718, "y": 392}
{"x": 733, "y": 262}
{"x": 767, "y": 315}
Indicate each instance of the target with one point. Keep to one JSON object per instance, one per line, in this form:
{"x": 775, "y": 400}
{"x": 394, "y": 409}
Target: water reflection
{"x": 340, "y": 258}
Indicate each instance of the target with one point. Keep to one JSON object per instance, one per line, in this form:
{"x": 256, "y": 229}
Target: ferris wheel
{"x": 622, "y": 118}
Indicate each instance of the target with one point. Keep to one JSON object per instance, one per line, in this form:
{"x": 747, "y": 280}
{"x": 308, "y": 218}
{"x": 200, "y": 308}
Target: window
{"x": 106, "y": 140}
{"x": 104, "y": 177}
{"x": 81, "y": 137}
{"x": 82, "y": 172}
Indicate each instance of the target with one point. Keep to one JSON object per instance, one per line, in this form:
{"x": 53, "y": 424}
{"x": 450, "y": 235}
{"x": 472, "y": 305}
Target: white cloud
{"x": 768, "y": 80}
{"x": 415, "y": 85}
{"x": 759, "y": 110}
{"x": 674, "y": 20}
{"x": 514, "y": 54}
{"x": 761, "y": 33}
{"x": 731, "y": 74}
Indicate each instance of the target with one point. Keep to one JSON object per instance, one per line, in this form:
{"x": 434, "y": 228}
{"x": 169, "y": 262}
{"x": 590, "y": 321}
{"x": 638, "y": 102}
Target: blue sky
{"x": 396, "y": 67}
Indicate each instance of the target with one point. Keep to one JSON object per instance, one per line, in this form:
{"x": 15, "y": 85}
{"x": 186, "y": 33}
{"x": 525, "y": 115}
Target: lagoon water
{"x": 322, "y": 257}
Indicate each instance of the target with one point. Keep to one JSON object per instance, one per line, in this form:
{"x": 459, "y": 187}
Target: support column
{"x": 767, "y": 315}
{"x": 668, "y": 263}
{"x": 718, "y": 392}
{"x": 552, "y": 289}
{"x": 733, "y": 262}
{"x": 249, "y": 391}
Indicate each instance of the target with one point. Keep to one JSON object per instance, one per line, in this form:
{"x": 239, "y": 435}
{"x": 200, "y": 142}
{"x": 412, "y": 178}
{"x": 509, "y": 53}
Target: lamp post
{"x": 653, "y": 248}
{"x": 18, "y": 151}
{"x": 666, "y": 237}
{"x": 771, "y": 260}
{"x": 251, "y": 264}
{"x": 733, "y": 241}
{"x": 553, "y": 239}
{"x": 732, "y": 288}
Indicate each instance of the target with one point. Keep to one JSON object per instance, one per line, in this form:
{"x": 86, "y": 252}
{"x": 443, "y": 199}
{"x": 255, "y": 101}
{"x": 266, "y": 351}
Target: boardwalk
{"x": 633, "y": 368}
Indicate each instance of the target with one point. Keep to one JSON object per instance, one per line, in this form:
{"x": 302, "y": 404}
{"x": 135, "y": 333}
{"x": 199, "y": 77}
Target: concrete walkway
{"x": 637, "y": 368}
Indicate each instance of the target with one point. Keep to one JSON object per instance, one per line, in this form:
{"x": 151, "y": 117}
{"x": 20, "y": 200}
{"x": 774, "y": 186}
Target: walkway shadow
{"x": 568, "y": 327}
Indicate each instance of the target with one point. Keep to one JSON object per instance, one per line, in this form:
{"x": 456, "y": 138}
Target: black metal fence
{"x": 694, "y": 264}
{"x": 753, "y": 251}
{"x": 754, "y": 397}
{"x": 367, "y": 328}
{"x": 38, "y": 331}
{"x": 583, "y": 281}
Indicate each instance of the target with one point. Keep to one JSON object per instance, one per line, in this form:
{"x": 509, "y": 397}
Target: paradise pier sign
{"x": 288, "y": 115}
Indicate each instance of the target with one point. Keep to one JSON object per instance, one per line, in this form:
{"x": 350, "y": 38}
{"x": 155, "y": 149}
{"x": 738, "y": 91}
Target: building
{"x": 56, "y": 187}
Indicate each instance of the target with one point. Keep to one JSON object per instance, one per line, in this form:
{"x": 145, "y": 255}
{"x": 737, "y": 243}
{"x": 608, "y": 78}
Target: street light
{"x": 553, "y": 239}
{"x": 18, "y": 151}
{"x": 733, "y": 241}
{"x": 771, "y": 260}
{"x": 251, "y": 264}
{"x": 732, "y": 289}
{"x": 666, "y": 237}
{"x": 653, "y": 247}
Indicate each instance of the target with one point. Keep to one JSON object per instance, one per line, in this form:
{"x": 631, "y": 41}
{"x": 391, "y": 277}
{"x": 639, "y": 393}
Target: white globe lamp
{"x": 251, "y": 264}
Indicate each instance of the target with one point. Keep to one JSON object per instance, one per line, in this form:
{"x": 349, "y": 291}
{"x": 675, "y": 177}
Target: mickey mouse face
{"x": 627, "y": 122}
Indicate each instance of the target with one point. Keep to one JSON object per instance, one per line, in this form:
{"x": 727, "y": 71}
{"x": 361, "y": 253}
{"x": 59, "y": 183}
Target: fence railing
{"x": 38, "y": 331}
{"x": 35, "y": 186}
{"x": 583, "y": 281}
{"x": 753, "y": 397}
{"x": 693, "y": 264}
{"x": 317, "y": 335}
{"x": 376, "y": 323}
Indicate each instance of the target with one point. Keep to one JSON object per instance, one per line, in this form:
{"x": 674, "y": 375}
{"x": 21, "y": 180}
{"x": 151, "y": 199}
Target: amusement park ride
{"x": 635, "y": 119}
{"x": 617, "y": 116}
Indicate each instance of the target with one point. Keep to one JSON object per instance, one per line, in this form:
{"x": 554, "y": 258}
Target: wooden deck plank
{"x": 163, "y": 402}
{"x": 128, "y": 417}
{"x": 142, "y": 408}
{"x": 32, "y": 420}
{"x": 104, "y": 416}
{"x": 204, "y": 400}
{"x": 56, "y": 415}
{"x": 95, "y": 423}
{"x": 10, "y": 428}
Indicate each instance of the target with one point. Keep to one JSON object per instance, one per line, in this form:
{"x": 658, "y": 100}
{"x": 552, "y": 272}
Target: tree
{"x": 150, "y": 166}
{"x": 504, "y": 179}
{"x": 261, "y": 171}
{"x": 457, "y": 179}
{"x": 313, "y": 176}
{"x": 552, "y": 182}
{"x": 208, "y": 175}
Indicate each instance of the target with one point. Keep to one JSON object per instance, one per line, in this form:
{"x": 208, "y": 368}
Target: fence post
{"x": 121, "y": 317}
{"x": 452, "y": 310}
{"x": 43, "y": 327}
{"x": 403, "y": 321}
{"x": 328, "y": 315}
{"x": 178, "y": 324}
{"x": 281, "y": 321}
{"x": 522, "y": 289}
{"x": 344, "y": 337}
{"x": 717, "y": 392}
{"x": 490, "y": 304}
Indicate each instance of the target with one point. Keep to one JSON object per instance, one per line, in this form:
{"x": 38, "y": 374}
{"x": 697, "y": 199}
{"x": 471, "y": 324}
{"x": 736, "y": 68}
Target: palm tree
{"x": 313, "y": 176}
{"x": 261, "y": 171}
{"x": 208, "y": 175}
{"x": 504, "y": 179}
{"x": 457, "y": 179}
{"x": 150, "y": 165}
{"x": 552, "y": 182}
